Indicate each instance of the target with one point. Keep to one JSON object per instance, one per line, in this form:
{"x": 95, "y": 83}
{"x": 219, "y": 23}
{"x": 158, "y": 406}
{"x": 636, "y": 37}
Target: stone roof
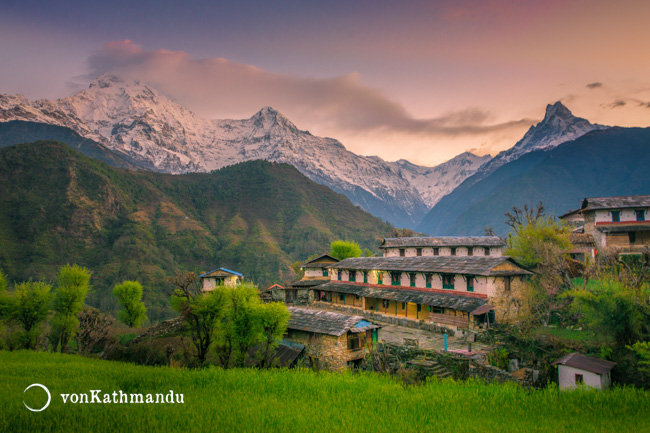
{"x": 587, "y": 363}
{"x": 319, "y": 262}
{"x": 324, "y": 322}
{"x": 468, "y": 265}
{"x": 628, "y": 201}
{"x": 446, "y": 300}
{"x": 309, "y": 282}
{"x": 444, "y": 241}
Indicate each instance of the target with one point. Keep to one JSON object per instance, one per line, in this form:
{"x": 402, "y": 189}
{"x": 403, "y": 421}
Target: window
{"x": 437, "y": 310}
{"x": 325, "y": 274}
{"x": 470, "y": 251}
{"x": 470, "y": 283}
{"x": 506, "y": 284}
{"x": 365, "y": 276}
{"x": 632, "y": 236}
{"x": 380, "y": 277}
{"x": 453, "y": 251}
{"x": 640, "y": 215}
{"x": 342, "y": 297}
{"x": 385, "y": 303}
{"x": 412, "y": 279}
{"x": 579, "y": 379}
{"x": 487, "y": 251}
{"x": 339, "y": 273}
{"x": 395, "y": 278}
{"x": 418, "y": 252}
{"x": 428, "y": 278}
{"x": 436, "y": 251}
{"x": 402, "y": 253}
{"x": 448, "y": 281}
{"x": 352, "y": 276}
{"x": 616, "y": 216}
{"x": 403, "y": 305}
{"x": 353, "y": 341}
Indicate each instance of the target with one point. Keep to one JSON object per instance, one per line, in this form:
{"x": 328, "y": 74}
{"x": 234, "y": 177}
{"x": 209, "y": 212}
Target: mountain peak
{"x": 269, "y": 116}
{"x": 558, "y": 109}
{"x": 106, "y": 80}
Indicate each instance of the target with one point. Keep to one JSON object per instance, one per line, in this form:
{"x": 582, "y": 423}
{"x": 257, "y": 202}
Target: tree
{"x": 274, "y": 318}
{"x": 93, "y": 329}
{"x": 28, "y": 306}
{"x": 345, "y": 249}
{"x": 71, "y": 290}
{"x": 539, "y": 242}
{"x": 200, "y": 311}
{"x": 129, "y": 294}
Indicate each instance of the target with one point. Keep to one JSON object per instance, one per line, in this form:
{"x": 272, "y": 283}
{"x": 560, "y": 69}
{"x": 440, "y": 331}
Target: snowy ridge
{"x": 137, "y": 121}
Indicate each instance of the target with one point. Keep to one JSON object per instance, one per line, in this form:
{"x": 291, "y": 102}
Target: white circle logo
{"x": 49, "y": 397}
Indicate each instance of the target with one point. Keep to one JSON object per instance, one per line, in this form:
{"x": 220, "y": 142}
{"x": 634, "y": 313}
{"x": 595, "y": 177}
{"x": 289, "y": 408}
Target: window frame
{"x": 395, "y": 281}
{"x": 412, "y": 278}
{"x": 639, "y": 214}
{"x": 616, "y": 216}
{"x": 448, "y": 281}
{"x": 470, "y": 283}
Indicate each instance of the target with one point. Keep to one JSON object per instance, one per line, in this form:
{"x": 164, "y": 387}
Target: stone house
{"x": 219, "y": 277}
{"x": 575, "y": 370}
{"x": 619, "y": 223}
{"x": 332, "y": 341}
{"x": 486, "y": 246}
{"x": 300, "y": 291}
{"x": 446, "y": 290}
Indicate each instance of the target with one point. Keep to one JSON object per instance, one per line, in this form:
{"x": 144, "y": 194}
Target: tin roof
{"x": 326, "y": 322}
{"x": 444, "y": 241}
{"x": 451, "y": 300}
{"x": 587, "y": 363}
{"x": 628, "y": 201}
{"x": 221, "y": 269}
{"x": 468, "y": 265}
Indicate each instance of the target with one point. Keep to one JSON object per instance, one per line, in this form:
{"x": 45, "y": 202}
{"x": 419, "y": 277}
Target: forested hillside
{"x": 58, "y": 206}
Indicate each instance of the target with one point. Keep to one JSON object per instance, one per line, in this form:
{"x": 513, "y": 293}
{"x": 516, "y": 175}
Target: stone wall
{"x": 327, "y": 351}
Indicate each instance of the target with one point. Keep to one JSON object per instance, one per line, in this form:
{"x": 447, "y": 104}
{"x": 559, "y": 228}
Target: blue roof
{"x": 222, "y": 269}
{"x": 363, "y": 324}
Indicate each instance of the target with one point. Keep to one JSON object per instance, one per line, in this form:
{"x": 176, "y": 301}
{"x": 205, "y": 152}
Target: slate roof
{"x": 454, "y": 301}
{"x": 309, "y": 283}
{"x": 631, "y": 226}
{"x": 224, "y": 270}
{"x": 468, "y": 265}
{"x": 594, "y": 365}
{"x": 321, "y": 264}
{"x": 444, "y": 241}
{"x": 285, "y": 354}
{"x": 628, "y": 201}
{"x": 325, "y": 322}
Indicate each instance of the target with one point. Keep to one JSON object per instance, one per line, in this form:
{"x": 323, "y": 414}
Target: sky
{"x": 418, "y": 80}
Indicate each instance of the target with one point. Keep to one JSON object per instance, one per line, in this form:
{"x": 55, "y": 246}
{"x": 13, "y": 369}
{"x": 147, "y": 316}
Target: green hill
{"x": 58, "y": 206}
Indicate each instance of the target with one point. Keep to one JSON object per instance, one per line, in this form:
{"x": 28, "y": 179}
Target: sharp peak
{"x": 112, "y": 80}
{"x": 558, "y": 109}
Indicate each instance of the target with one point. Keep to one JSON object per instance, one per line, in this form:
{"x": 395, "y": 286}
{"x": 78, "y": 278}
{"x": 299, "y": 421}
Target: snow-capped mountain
{"x": 433, "y": 183}
{"x": 156, "y": 133}
{"x": 558, "y": 126}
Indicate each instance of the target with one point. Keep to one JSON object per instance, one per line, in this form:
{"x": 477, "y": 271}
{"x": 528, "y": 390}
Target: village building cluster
{"x": 453, "y": 283}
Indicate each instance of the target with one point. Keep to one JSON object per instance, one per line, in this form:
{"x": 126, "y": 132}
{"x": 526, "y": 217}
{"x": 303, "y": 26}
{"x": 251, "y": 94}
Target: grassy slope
{"x": 296, "y": 401}
{"x": 58, "y": 206}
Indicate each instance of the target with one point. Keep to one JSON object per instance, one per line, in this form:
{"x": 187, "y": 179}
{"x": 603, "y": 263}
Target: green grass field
{"x": 295, "y": 401}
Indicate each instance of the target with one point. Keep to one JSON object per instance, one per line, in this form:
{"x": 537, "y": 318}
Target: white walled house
{"x": 485, "y": 246}
{"x": 316, "y": 272}
{"x": 621, "y": 223}
{"x": 445, "y": 290}
{"x": 578, "y": 370}
{"x": 219, "y": 277}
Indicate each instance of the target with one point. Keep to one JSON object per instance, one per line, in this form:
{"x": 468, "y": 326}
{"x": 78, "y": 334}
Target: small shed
{"x": 219, "y": 277}
{"x": 575, "y": 369}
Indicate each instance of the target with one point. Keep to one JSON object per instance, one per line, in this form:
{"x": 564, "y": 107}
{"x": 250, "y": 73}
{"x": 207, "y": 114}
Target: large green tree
{"x": 28, "y": 306}
{"x": 345, "y": 249}
{"x": 71, "y": 290}
{"x": 129, "y": 295}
